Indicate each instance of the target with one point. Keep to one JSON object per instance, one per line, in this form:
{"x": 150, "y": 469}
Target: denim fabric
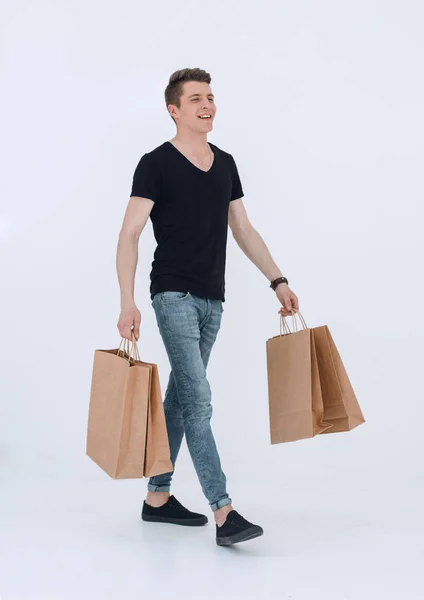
{"x": 189, "y": 325}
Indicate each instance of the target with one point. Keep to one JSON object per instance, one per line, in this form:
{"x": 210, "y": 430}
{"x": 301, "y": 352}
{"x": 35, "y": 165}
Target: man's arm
{"x": 136, "y": 216}
{"x": 257, "y": 252}
{"x": 250, "y": 241}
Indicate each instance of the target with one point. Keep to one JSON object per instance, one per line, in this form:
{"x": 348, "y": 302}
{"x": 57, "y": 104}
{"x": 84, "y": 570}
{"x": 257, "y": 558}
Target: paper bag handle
{"x": 283, "y": 323}
{"x": 126, "y": 349}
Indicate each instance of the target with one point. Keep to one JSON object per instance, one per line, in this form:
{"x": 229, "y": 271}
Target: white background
{"x": 321, "y": 105}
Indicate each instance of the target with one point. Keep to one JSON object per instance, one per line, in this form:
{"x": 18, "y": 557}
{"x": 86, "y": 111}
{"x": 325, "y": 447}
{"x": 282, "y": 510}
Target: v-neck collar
{"x": 192, "y": 164}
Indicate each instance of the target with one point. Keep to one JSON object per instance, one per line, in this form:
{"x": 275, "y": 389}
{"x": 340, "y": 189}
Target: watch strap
{"x": 275, "y": 282}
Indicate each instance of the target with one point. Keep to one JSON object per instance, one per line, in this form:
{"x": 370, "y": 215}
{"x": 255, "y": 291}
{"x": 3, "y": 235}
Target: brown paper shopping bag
{"x": 308, "y": 388}
{"x": 126, "y": 433}
{"x": 341, "y": 407}
{"x": 296, "y": 406}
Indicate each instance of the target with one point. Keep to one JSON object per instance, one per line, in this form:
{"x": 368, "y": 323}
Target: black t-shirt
{"x": 189, "y": 218}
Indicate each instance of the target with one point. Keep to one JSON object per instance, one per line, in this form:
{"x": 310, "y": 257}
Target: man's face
{"x": 197, "y": 99}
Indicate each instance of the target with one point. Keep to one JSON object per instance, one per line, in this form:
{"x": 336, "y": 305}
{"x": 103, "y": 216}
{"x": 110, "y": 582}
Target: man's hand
{"x": 130, "y": 317}
{"x": 288, "y": 300}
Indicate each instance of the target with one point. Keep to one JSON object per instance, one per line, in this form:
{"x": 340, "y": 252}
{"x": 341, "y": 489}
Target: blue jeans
{"x": 189, "y": 325}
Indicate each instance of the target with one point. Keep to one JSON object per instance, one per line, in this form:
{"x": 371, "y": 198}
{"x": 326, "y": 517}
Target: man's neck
{"x": 195, "y": 144}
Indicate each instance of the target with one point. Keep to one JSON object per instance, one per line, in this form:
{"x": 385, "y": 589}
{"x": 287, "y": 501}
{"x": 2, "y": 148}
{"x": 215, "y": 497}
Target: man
{"x": 192, "y": 191}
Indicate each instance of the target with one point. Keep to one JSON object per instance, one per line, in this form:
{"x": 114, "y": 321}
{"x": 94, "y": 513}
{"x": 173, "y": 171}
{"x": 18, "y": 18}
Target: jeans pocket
{"x": 172, "y": 296}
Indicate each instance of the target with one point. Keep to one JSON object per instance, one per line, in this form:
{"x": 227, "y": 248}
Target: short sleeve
{"x": 236, "y": 190}
{"x": 146, "y": 178}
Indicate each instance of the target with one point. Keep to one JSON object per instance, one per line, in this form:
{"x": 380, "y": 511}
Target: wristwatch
{"x": 277, "y": 281}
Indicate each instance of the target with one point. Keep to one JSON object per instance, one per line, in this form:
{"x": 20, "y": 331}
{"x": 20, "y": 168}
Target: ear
{"x": 171, "y": 109}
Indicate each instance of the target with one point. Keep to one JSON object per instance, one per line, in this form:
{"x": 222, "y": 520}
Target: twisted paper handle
{"x": 283, "y": 323}
{"x": 127, "y": 353}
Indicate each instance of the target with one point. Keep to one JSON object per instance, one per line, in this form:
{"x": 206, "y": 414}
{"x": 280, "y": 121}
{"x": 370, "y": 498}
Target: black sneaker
{"x": 172, "y": 512}
{"x": 236, "y": 529}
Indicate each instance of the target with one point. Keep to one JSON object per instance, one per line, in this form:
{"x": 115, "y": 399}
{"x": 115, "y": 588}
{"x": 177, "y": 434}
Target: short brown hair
{"x": 174, "y": 89}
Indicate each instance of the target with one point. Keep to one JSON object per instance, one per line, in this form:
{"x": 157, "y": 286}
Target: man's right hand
{"x": 130, "y": 316}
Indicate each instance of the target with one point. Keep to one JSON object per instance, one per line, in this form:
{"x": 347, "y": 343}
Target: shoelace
{"x": 176, "y": 504}
{"x": 238, "y": 520}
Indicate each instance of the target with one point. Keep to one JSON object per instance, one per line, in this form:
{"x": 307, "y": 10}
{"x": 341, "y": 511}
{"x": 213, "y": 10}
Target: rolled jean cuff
{"x": 158, "y": 488}
{"x": 220, "y": 503}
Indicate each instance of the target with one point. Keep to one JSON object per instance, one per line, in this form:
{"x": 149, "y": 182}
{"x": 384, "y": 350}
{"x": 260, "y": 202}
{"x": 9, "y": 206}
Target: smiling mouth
{"x": 204, "y": 118}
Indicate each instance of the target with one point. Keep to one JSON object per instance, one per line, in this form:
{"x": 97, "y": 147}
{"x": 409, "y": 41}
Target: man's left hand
{"x": 288, "y": 299}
